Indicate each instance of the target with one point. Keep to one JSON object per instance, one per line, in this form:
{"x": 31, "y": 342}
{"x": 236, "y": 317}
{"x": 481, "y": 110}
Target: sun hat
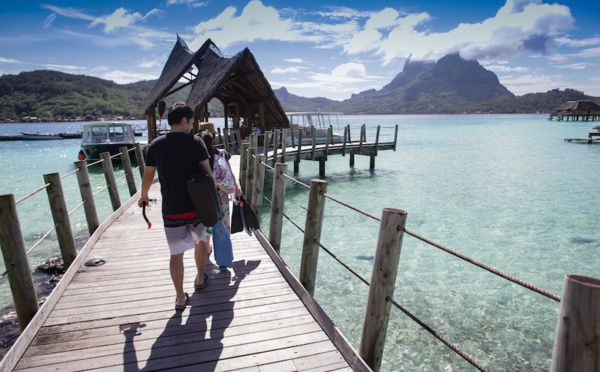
{"x": 207, "y": 128}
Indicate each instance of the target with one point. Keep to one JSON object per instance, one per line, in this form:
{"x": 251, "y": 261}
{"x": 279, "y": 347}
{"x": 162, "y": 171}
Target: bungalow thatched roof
{"x": 578, "y": 106}
{"x": 236, "y": 81}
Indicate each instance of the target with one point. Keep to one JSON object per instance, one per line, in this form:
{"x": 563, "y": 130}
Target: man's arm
{"x": 146, "y": 183}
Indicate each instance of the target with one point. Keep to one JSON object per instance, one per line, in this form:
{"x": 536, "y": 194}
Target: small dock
{"x": 120, "y": 315}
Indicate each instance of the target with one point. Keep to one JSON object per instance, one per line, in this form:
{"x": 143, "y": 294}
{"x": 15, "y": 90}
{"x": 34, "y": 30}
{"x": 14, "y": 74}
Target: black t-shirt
{"x": 176, "y": 156}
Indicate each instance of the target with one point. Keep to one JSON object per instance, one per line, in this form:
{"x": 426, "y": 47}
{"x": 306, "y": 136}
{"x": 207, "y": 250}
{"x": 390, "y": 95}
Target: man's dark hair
{"x": 179, "y": 111}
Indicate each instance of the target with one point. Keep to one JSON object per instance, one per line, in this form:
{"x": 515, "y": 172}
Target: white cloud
{"x": 151, "y": 63}
{"x": 577, "y": 66}
{"x": 504, "y": 68}
{"x": 350, "y": 70}
{"x": 191, "y": 3}
{"x": 48, "y": 21}
{"x": 69, "y": 68}
{"x": 531, "y": 83}
{"x": 126, "y": 77}
{"x": 289, "y": 70}
{"x": 295, "y": 60}
{"x": 578, "y": 43}
{"x": 121, "y": 18}
{"x": 9, "y": 60}
{"x": 257, "y": 21}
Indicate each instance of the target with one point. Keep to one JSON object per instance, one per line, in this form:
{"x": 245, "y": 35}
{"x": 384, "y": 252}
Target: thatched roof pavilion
{"x": 584, "y": 109}
{"x": 236, "y": 81}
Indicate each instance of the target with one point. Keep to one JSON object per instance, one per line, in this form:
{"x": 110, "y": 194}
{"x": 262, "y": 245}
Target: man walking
{"x": 176, "y": 155}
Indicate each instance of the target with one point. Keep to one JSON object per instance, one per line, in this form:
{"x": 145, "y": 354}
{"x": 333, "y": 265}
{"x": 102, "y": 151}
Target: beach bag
{"x": 222, "y": 174}
{"x": 223, "y": 248}
{"x": 243, "y": 217}
{"x": 205, "y": 199}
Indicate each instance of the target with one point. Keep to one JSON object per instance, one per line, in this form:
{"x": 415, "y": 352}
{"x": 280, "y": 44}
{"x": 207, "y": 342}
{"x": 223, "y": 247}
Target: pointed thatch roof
{"x": 236, "y": 81}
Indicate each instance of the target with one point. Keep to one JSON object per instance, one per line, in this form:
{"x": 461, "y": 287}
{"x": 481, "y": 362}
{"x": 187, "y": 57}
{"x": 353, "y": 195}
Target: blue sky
{"x": 314, "y": 48}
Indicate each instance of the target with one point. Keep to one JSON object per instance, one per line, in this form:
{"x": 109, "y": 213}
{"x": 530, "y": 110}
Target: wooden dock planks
{"x": 120, "y": 315}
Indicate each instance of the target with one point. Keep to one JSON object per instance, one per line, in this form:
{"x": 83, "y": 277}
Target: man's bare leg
{"x": 200, "y": 256}
{"x": 176, "y": 268}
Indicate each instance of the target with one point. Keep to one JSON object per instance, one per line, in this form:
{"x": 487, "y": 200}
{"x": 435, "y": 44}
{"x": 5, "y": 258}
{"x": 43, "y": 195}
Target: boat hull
{"x": 39, "y": 136}
{"x": 92, "y": 151}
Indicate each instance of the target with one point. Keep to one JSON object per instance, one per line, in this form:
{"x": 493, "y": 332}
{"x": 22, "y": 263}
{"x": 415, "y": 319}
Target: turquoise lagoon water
{"x": 502, "y": 189}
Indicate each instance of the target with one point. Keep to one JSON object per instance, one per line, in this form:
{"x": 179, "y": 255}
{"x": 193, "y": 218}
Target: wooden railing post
{"x": 298, "y": 152}
{"x": 109, "y": 175}
{"x": 266, "y": 140}
{"x": 344, "y": 146}
{"x": 314, "y": 142}
{"x": 383, "y": 279}
{"x": 239, "y": 139}
{"x": 128, "y": 171}
{"x": 243, "y": 165}
{"x": 312, "y": 234}
{"x": 16, "y": 262}
{"x": 577, "y": 343}
{"x": 60, "y": 215}
{"x": 250, "y": 174}
{"x": 259, "y": 182}
{"x": 275, "y": 147}
{"x": 363, "y": 137}
{"x": 139, "y": 157}
{"x": 395, "y": 136}
{"x": 283, "y": 144}
{"x": 277, "y": 206}
{"x": 87, "y": 196}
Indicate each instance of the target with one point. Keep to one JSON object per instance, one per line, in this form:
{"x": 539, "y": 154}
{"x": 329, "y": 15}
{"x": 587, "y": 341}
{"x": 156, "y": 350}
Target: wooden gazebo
{"x": 236, "y": 81}
{"x": 585, "y": 110}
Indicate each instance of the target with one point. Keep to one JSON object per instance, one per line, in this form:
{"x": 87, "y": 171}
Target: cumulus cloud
{"x": 518, "y": 27}
{"x": 259, "y": 22}
{"x": 577, "y": 66}
{"x": 504, "y": 68}
{"x": 69, "y": 68}
{"x": 295, "y": 60}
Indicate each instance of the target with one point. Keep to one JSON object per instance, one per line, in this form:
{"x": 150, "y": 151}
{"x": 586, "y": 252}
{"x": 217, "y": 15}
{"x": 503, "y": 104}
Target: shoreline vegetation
{"x": 450, "y": 86}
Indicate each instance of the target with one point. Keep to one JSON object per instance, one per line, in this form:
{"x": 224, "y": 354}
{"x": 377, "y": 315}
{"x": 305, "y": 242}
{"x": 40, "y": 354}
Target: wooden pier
{"x": 120, "y": 315}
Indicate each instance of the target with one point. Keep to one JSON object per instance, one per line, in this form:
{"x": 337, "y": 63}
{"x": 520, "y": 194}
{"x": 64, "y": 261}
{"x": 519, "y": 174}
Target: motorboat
{"x": 41, "y": 136}
{"x": 317, "y": 121}
{"x": 105, "y": 137}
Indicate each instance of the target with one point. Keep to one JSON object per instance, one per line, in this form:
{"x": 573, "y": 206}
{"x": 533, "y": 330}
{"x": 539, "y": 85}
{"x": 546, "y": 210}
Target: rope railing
{"x": 77, "y": 207}
{"x": 68, "y": 174}
{"x": 5, "y": 273}
{"x": 437, "y": 335}
{"x": 33, "y": 193}
{"x": 405, "y": 311}
{"x": 102, "y": 189}
{"x": 486, "y": 267}
{"x": 42, "y": 239}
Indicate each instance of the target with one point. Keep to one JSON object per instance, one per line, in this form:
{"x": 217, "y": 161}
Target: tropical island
{"x": 451, "y": 85}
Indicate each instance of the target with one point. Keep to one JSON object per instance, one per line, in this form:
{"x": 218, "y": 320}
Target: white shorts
{"x": 184, "y": 237}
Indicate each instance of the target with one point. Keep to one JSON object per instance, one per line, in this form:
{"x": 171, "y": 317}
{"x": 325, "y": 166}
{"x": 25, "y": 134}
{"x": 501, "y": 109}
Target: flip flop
{"x": 182, "y": 307}
{"x": 200, "y": 287}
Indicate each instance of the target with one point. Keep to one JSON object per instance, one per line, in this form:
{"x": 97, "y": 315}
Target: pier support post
{"x": 139, "y": 157}
{"x": 577, "y": 344}
{"x": 322, "y": 167}
{"x": 351, "y": 159}
{"x": 128, "y": 171}
{"x": 277, "y": 206}
{"x": 283, "y": 144}
{"x": 250, "y": 174}
{"x": 87, "y": 196}
{"x": 275, "y": 147}
{"x": 312, "y": 234}
{"x": 344, "y": 146}
{"x": 259, "y": 182}
{"x": 109, "y": 175}
{"x": 60, "y": 215}
{"x": 243, "y": 164}
{"x": 372, "y": 162}
{"x": 15, "y": 261}
{"x": 383, "y": 279}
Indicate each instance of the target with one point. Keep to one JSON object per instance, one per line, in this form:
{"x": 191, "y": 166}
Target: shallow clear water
{"x": 502, "y": 189}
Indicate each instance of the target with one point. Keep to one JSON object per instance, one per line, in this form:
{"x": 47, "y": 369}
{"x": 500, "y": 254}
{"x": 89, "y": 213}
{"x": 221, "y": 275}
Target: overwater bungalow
{"x": 582, "y": 110}
{"x": 237, "y": 82}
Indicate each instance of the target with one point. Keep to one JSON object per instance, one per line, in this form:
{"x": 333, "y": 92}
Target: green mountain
{"x": 450, "y": 85}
